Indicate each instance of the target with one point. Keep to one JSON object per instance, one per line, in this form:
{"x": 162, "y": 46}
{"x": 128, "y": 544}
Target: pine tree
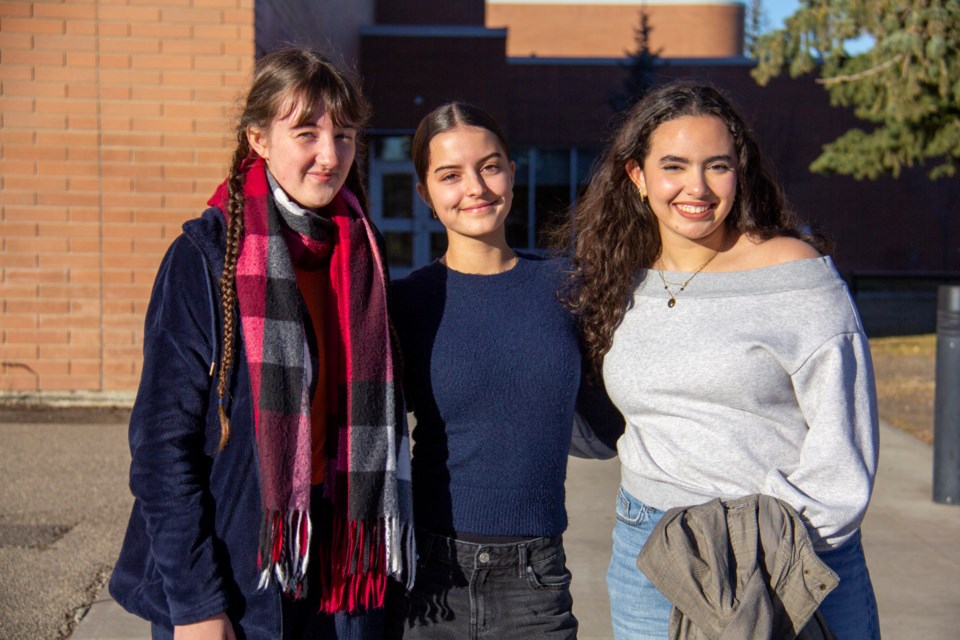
{"x": 756, "y": 24}
{"x": 641, "y": 67}
{"x": 907, "y": 84}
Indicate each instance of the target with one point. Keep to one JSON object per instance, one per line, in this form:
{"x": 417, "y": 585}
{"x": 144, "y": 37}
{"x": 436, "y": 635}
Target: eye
{"x": 492, "y": 168}
{"x": 306, "y": 135}
{"x": 449, "y": 177}
{"x": 672, "y": 167}
{"x": 346, "y": 136}
{"x": 720, "y": 167}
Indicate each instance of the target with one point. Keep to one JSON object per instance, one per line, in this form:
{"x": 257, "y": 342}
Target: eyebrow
{"x": 495, "y": 154}
{"x": 685, "y": 161}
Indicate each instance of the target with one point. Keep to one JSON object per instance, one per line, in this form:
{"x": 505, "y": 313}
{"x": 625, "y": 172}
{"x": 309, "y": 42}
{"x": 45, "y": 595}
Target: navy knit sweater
{"x": 492, "y": 369}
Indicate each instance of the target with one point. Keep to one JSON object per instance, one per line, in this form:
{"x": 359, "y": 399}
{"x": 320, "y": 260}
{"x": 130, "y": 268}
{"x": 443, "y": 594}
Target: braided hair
{"x": 282, "y": 81}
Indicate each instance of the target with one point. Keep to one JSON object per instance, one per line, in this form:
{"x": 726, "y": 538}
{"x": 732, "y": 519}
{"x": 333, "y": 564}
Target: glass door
{"x": 412, "y": 236}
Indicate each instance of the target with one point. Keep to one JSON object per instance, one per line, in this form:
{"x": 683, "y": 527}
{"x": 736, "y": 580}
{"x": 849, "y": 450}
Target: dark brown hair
{"x": 283, "y": 79}
{"x": 612, "y": 234}
{"x": 443, "y": 118}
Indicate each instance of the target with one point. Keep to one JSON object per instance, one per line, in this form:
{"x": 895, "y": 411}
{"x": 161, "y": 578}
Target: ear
{"x": 258, "y": 142}
{"x": 635, "y": 173}
{"x": 424, "y": 195}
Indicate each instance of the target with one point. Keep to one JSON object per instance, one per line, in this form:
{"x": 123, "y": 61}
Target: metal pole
{"x": 946, "y": 418}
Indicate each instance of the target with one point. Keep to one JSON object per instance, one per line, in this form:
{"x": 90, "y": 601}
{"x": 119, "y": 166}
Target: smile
{"x": 693, "y": 210}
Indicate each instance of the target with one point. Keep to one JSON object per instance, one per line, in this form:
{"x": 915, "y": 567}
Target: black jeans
{"x": 470, "y": 591}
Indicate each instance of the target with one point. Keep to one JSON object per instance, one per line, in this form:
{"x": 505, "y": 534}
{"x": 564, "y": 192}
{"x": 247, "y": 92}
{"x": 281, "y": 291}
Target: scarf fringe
{"x": 356, "y": 579}
{"x": 285, "y": 551}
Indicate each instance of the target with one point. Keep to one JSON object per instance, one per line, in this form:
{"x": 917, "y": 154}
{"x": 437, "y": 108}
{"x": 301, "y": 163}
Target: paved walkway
{"x": 912, "y": 546}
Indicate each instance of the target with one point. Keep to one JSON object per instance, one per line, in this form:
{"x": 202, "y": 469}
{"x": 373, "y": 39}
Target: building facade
{"x": 116, "y": 127}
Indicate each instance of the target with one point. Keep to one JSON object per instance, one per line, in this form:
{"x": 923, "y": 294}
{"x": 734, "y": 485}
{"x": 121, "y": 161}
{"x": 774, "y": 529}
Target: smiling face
{"x": 469, "y": 183}
{"x": 310, "y": 160}
{"x": 690, "y": 178}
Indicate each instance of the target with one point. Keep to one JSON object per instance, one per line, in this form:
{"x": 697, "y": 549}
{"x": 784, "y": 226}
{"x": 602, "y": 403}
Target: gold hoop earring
{"x": 643, "y": 195}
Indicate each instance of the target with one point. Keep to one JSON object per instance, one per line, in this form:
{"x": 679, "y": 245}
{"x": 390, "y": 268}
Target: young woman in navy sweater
{"x": 492, "y": 370}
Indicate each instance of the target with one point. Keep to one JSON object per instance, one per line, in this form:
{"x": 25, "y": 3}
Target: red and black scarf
{"x": 367, "y": 479}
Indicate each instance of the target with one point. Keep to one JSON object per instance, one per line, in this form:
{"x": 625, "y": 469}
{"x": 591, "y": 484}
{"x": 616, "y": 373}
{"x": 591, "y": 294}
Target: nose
{"x": 326, "y": 152}
{"x": 474, "y": 184}
{"x": 697, "y": 185}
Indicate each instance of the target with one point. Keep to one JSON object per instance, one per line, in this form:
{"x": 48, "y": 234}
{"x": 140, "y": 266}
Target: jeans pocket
{"x": 630, "y": 510}
{"x": 550, "y": 574}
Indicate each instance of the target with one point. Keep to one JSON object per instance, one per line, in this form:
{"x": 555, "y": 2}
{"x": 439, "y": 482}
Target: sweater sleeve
{"x": 832, "y": 482}
{"x": 169, "y": 472}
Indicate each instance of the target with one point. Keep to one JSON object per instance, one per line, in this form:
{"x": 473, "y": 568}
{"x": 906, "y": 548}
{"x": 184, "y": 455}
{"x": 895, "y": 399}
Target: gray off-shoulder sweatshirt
{"x": 756, "y": 381}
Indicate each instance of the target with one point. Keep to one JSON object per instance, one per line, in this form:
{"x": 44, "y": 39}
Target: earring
{"x": 434, "y": 214}
{"x": 643, "y": 195}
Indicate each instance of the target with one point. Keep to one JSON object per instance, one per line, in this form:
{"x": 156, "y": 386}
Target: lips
{"x": 694, "y": 211}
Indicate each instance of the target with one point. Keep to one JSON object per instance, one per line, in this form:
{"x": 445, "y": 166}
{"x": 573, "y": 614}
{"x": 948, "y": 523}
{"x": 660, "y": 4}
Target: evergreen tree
{"x": 641, "y": 67}
{"x": 756, "y": 24}
{"x": 907, "y": 84}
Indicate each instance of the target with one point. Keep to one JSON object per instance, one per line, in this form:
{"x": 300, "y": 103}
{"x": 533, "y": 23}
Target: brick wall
{"x": 682, "y": 30}
{"x": 115, "y": 121}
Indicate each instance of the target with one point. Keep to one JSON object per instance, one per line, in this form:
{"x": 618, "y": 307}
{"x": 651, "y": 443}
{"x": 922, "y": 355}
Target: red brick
{"x": 68, "y": 290}
{"x": 129, "y": 14}
{"x": 82, "y": 337}
{"x": 81, "y": 59}
{"x": 67, "y": 199}
{"x": 81, "y": 27}
{"x": 83, "y": 245}
{"x": 128, "y": 46}
{"x": 118, "y": 29}
{"x": 84, "y": 367}
{"x": 34, "y": 25}
{"x": 84, "y": 214}
{"x": 162, "y": 31}
{"x": 120, "y": 61}
{"x": 35, "y": 244}
{"x": 19, "y": 321}
{"x": 129, "y": 77}
{"x": 72, "y": 352}
{"x": 89, "y": 123}
{"x": 36, "y": 336}
{"x": 33, "y": 58}
{"x": 32, "y": 152}
{"x": 17, "y": 73}
{"x": 15, "y": 166}
{"x": 82, "y": 92}
{"x": 13, "y": 41}
{"x": 64, "y": 43}
{"x": 16, "y": 9}
{"x": 35, "y": 183}
{"x": 13, "y": 352}
{"x": 34, "y": 89}
{"x": 66, "y": 10}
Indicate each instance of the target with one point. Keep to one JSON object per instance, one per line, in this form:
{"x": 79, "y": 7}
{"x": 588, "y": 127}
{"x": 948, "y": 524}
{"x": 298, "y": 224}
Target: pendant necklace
{"x": 683, "y": 285}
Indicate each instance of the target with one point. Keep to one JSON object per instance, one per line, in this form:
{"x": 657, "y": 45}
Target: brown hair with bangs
{"x": 282, "y": 81}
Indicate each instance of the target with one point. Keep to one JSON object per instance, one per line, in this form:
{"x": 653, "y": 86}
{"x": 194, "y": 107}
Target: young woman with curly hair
{"x": 729, "y": 343}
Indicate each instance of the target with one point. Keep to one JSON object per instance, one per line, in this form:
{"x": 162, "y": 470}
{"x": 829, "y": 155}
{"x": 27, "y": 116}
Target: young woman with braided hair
{"x": 733, "y": 350}
{"x": 270, "y": 463}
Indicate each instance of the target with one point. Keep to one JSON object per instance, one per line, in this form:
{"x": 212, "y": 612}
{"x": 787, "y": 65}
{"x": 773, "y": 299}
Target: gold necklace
{"x": 683, "y": 285}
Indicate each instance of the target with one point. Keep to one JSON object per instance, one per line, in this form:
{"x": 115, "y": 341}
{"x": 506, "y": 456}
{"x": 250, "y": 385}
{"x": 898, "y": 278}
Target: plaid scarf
{"x": 367, "y": 478}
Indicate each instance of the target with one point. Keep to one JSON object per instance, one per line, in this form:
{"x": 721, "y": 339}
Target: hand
{"x": 218, "y": 627}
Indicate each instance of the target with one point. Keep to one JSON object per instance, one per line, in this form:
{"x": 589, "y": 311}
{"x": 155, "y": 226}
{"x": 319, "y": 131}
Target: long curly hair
{"x": 282, "y": 80}
{"x": 612, "y": 235}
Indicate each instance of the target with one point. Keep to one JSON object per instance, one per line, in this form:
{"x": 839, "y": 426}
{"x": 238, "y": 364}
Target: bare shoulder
{"x": 755, "y": 253}
{"x": 782, "y": 249}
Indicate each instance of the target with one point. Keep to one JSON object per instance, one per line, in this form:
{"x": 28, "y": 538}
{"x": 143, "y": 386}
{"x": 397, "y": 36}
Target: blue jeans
{"x": 640, "y": 612}
{"x": 467, "y": 590}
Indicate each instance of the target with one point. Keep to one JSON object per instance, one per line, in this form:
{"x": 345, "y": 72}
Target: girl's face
{"x": 469, "y": 182}
{"x": 310, "y": 160}
{"x": 690, "y": 177}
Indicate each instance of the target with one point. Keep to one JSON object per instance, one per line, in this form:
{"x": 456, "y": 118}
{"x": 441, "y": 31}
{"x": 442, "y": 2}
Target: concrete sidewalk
{"x": 912, "y": 547}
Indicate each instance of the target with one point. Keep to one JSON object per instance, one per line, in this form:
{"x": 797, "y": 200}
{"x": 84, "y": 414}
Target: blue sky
{"x": 778, "y": 10}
